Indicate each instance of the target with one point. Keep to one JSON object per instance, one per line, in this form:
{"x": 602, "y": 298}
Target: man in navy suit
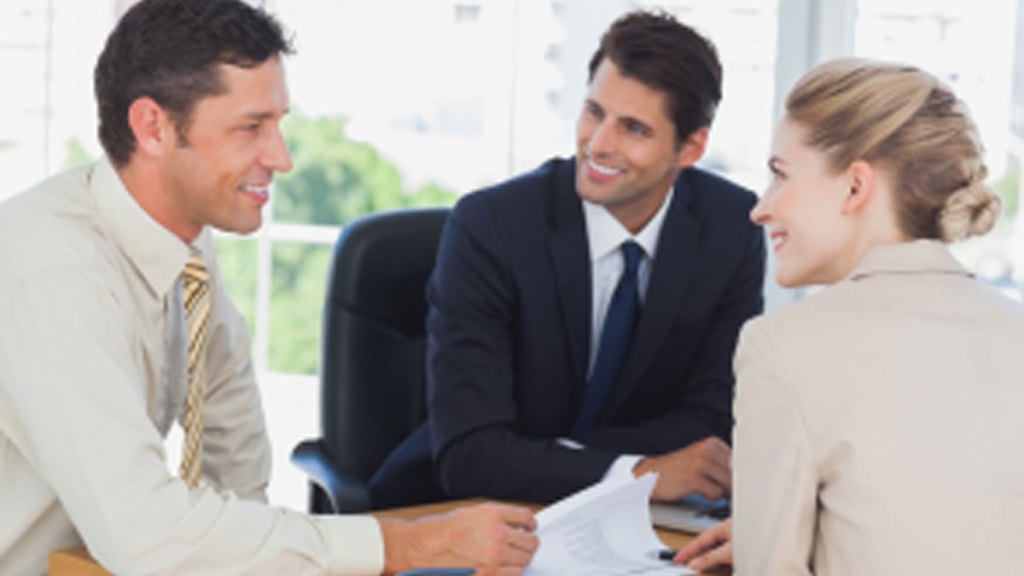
{"x": 525, "y": 278}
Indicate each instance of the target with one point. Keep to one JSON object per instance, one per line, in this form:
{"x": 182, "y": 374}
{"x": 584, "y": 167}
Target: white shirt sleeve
{"x": 70, "y": 372}
{"x": 236, "y": 449}
{"x": 622, "y": 466}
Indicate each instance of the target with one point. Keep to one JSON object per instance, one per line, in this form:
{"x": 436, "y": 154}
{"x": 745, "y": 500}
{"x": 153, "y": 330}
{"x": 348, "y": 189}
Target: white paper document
{"x": 604, "y": 530}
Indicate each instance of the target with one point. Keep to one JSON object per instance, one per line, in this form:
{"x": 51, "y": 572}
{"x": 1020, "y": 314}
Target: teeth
{"x": 260, "y": 192}
{"x": 778, "y": 239}
{"x": 601, "y": 169}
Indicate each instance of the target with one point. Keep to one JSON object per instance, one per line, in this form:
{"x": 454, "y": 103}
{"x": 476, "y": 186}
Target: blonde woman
{"x": 879, "y": 422}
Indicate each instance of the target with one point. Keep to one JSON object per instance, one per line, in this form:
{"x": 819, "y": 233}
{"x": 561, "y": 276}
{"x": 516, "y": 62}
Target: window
{"x": 414, "y": 102}
{"x": 467, "y": 12}
{"x": 973, "y": 50}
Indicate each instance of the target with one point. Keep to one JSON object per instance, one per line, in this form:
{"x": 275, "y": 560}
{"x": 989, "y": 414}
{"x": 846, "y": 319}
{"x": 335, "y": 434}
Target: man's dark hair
{"x": 659, "y": 51}
{"x": 170, "y": 51}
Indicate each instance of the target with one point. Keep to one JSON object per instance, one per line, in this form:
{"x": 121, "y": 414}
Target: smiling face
{"x": 220, "y": 175}
{"x": 627, "y": 153}
{"x": 803, "y": 212}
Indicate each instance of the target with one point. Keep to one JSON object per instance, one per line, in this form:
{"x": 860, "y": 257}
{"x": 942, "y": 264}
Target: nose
{"x": 276, "y": 155}
{"x": 602, "y": 139}
{"x": 761, "y": 212}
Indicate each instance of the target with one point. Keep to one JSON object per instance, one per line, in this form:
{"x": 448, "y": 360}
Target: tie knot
{"x": 195, "y": 268}
{"x": 632, "y": 253}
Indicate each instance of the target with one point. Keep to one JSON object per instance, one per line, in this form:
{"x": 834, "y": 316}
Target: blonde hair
{"x": 911, "y": 125}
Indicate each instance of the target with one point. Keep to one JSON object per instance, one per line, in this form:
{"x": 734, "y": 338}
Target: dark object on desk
{"x": 720, "y": 513}
{"x": 372, "y": 378}
{"x": 692, "y": 514}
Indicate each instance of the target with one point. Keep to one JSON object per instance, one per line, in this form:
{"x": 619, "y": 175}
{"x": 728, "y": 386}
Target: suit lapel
{"x": 674, "y": 269}
{"x": 570, "y": 262}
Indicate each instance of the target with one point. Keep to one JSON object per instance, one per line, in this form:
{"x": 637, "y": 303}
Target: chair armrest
{"x": 345, "y": 492}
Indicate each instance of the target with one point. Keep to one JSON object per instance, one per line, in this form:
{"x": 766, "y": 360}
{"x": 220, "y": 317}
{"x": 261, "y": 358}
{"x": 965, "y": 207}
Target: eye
{"x": 637, "y": 128}
{"x": 254, "y": 127}
{"x": 593, "y": 111}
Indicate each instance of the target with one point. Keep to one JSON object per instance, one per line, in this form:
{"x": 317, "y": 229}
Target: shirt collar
{"x": 916, "y": 257}
{"x": 605, "y": 233}
{"x": 156, "y": 253}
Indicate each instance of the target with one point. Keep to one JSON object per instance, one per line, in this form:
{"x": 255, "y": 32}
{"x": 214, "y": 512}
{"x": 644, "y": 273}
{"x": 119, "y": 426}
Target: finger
{"x": 690, "y": 551}
{"x": 703, "y": 542}
{"x": 522, "y": 540}
{"x": 718, "y": 452}
{"x": 709, "y": 444}
{"x": 720, "y": 476}
{"x": 515, "y": 557}
{"x": 719, "y": 445}
{"x": 715, "y": 557}
{"x": 669, "y": 488}
{"x": 708, "y": 488}
{"x": 517, "y": 516}
{"x": 711, "y": 458}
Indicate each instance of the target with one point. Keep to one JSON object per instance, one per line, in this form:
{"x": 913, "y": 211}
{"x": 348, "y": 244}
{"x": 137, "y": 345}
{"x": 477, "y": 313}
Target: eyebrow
{"x": 260, "y": 116}
{"x": 628, "y": 120}
{"x": 591, "y": 103}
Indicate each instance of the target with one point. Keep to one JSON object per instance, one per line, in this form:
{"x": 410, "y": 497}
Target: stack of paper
{"x": 604, "y": 530}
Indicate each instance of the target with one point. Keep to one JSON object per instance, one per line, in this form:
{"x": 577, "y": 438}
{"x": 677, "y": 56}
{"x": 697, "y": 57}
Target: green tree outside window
{"x": 334, "y": 181}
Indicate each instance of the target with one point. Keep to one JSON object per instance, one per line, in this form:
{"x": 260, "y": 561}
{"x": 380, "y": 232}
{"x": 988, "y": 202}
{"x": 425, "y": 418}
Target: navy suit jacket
{"x": 510, "y": 327}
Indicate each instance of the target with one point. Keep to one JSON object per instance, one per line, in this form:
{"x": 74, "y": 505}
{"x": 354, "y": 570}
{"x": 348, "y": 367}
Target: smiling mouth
{"x": 778, "y": 239}
{"x": 599, "y": 172}
{"x": 259, "y": 193}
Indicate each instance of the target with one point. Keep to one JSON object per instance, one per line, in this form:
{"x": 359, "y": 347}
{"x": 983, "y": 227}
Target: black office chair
{"x": 372, "y": 379}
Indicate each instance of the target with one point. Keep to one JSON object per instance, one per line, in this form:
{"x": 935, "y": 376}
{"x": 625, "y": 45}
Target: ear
{"x": 861, "y": 176}
{"x": 151, "y": 126}
{"x": 693, "y": 149}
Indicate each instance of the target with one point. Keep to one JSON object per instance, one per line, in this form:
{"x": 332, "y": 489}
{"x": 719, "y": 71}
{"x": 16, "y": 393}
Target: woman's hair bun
{"x": 970, "y": 211}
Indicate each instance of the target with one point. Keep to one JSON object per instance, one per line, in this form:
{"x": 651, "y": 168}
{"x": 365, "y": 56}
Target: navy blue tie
{"x": 616, "y": 337}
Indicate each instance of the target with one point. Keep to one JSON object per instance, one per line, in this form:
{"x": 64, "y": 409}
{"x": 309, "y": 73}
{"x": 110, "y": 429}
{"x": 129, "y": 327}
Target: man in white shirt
{"x": 94, "y": 347}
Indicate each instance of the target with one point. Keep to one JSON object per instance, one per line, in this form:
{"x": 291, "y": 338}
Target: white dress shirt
{"x": 605, "y": 235}
{"x": 92, "y": 375}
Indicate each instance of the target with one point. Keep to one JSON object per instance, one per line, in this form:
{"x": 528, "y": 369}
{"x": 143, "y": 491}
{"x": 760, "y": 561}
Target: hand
{"x": 702, "y": 467}
{"x": 712, "y": 548}
{"x": 491, "y": 538}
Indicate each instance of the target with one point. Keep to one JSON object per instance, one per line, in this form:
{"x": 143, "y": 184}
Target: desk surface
{"x": 671, "y": 538}
{"x": 77, "y": 562}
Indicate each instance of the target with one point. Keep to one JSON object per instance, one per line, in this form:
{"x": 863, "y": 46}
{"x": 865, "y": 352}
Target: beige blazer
{"x": 880, "y": 426}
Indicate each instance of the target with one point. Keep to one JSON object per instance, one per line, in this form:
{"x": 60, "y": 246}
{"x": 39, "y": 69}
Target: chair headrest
{"x": 381, "y": 265}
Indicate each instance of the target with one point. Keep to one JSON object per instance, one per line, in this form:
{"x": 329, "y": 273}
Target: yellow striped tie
{"x": 196, "y": 299}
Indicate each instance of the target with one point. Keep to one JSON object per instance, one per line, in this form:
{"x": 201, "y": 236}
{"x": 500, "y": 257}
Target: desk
{"x": 74, "y": 562}
{"x": 77, "y": 562}
{"x": 671, "y": 538}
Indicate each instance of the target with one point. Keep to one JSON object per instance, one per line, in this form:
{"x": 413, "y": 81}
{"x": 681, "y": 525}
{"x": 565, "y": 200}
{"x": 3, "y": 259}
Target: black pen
{"x": 666, "y": 554}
